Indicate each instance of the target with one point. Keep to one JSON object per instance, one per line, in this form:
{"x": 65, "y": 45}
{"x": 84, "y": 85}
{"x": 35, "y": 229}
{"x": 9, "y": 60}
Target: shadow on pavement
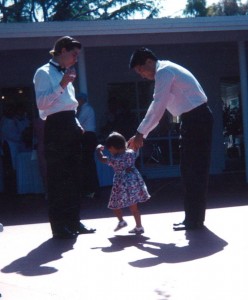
{"x": 200, "y": 244}
{"x": 31, "y": 264}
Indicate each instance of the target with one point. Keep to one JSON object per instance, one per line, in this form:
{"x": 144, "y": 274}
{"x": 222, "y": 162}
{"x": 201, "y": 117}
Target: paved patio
{"x": 208, "y": 264}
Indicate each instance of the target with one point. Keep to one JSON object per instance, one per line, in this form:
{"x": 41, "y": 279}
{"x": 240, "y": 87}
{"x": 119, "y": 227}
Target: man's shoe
{"x": 81, "y": 229}
{"x": 64, "y": 233}
{"x": 188, "y": 226}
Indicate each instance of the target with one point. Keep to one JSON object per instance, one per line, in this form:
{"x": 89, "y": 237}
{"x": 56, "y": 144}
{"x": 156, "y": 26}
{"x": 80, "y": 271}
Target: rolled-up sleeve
{"x": 161, "y": 98}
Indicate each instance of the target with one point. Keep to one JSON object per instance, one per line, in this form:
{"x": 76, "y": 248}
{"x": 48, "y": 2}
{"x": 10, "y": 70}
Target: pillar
{"x": 82, "y": 76}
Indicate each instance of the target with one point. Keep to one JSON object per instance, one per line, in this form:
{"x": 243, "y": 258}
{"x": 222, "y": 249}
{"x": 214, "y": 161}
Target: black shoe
{"x": 81, "y": 229}
{"x": 64, "y": 233}
{"x": 188, "y": 226}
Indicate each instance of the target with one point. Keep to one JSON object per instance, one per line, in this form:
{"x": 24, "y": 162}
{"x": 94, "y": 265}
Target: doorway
{"x": 232, "y": 124}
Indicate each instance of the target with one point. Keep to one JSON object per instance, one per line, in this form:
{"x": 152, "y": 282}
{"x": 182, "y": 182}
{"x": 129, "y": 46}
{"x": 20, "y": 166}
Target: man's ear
{"x": 149, "y": 62}
{"x": 63, "y": 50}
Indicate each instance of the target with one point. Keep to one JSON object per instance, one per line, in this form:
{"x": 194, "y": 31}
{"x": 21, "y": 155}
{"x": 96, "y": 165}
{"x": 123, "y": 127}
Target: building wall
{"x": 209, "y": 62}
{"x": 19, "y": 66}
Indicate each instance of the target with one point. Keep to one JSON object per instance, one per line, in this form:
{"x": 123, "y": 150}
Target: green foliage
{"x": 65, "y": 10}
{"x": 195, "y": 8}
{"x": 198, "y": 8}
{"x": 15, "y": 11}
{"x": 228, "y": 8}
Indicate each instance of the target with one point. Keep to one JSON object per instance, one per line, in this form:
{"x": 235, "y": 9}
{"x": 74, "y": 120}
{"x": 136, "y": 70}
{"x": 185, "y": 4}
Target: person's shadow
{"x": 200, "y": 244}
{"x": 120, "y": 242}
{"x": 31, "y": 264}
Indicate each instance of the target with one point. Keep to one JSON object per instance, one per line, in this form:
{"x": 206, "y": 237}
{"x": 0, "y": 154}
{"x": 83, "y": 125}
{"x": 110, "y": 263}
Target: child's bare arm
{"x": 100, "y": 155}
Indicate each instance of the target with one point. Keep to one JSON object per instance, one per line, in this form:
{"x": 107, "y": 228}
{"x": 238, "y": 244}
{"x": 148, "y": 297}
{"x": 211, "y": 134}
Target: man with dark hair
{"x": 65, "y": 42}
{"x": 177, "y": 90}
{"x": 140, "y": 57}
{"x": 56, "y": 102}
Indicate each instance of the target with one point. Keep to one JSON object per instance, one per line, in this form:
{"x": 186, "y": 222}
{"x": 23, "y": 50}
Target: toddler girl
{"x": 128, "y": 186}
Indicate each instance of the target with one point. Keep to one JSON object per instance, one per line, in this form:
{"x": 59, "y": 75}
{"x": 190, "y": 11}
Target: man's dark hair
{"x": 140, "y": 56}
{"x": 67, "y": 42}
{"x": 115, "y": 140}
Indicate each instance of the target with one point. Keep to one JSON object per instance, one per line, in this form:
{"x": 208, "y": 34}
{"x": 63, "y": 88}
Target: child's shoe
{"x": 120, "y": 225}
{"x": 137, "y": 230}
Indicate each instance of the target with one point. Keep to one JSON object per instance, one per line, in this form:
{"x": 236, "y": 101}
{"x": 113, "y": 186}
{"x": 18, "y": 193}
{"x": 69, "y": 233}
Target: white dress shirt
{"x": 86, "y": 117}
{"x": 176, "y": 89}
{"x": 50, "y": 96}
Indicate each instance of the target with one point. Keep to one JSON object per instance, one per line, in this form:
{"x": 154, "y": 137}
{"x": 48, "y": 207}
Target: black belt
{"x": 197, "y": 109}
{"x": 62, "y": 115}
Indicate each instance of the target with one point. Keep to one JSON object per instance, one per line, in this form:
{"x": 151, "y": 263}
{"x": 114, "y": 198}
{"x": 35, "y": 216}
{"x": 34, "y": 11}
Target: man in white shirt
{"x": 87, "y": 119}
{"x": 177, "y": 90}
{"x": 56, "y": 102}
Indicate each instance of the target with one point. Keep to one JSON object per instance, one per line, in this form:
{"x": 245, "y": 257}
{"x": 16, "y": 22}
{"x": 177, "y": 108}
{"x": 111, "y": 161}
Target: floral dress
{"x": 128, "y": 185}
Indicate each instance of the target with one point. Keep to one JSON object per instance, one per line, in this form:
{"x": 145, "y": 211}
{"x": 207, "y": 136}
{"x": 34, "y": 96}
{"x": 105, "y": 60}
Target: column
{"x": 82, "y": 76}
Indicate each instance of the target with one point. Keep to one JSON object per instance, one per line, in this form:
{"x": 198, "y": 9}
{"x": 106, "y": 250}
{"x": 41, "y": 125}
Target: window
{"x": 127, "y": 105}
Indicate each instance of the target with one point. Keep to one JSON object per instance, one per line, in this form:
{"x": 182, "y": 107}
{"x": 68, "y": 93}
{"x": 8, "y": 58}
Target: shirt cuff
{"x": 140, "y": 132}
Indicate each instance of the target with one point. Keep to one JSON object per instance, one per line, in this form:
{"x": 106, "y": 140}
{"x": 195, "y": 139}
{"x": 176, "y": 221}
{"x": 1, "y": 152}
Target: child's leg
{"x": 122, "y": 223}
{"x": 135, "y": 212}
{"x": 118, "y": 214}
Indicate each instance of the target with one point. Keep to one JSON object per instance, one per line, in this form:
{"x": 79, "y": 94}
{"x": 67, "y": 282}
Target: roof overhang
{"x": 125, "y": 32}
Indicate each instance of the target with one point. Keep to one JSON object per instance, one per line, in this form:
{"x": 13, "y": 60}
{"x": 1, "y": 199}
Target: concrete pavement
{"x": 207, "y": 264}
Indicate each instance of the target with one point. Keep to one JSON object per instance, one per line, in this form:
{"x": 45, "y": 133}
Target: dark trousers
{"x": 195, "y": 148}
{"x": 9, "y": 173}
{"x": 62, "y": 142}
{"x": 89, "y": 181}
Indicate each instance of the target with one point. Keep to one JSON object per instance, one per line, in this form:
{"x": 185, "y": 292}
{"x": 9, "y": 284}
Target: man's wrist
{"x": 138, "y": 134}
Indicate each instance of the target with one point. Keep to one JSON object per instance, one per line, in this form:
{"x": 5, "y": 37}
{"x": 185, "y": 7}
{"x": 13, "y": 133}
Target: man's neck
{"x": 59, "y": 62}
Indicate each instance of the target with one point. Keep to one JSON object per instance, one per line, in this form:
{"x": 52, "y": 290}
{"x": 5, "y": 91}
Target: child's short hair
{"x": 115, "y": 140}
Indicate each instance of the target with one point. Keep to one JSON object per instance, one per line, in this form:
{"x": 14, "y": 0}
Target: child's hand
{"x": 135, "y": 142}
{"x": 99, "y": 147}
{"x": 100, "y": 155}
{"x": 131, "y": 146}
